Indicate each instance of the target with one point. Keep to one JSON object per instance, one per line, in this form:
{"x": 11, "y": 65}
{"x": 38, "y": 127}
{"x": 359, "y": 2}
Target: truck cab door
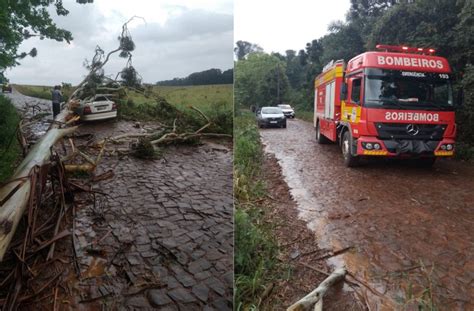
{"x": 354, "y": 98}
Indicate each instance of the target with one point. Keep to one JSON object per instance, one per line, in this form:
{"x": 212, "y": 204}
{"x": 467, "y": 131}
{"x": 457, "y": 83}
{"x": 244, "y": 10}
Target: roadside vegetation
{"x": 256, "y": 250}
{"x": 445, "y": 25}
{"x": 10, "y": 151}
{"x": 305, "y": 115}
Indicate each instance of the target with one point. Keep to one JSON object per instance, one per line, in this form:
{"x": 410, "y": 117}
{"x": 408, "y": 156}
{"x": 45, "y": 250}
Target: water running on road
{"x": 398, "y": 218}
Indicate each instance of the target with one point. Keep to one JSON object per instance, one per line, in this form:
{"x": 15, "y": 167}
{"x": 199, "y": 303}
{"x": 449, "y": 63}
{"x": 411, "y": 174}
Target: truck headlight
{"x": 449, "y": 147}
{"x": 369, "y": 146}
{"x": 377, "y": 146}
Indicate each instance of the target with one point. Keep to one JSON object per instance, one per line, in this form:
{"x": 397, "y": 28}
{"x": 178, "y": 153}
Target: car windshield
{"x": 271, "y": 110}
{"x": 408, "y": 90}
{"x": 284, "y": 106}
{"x": 100, "y": 99}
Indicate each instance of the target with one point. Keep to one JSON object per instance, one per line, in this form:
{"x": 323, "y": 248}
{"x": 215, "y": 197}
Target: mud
{"x": 299, "y": 252}
{"x": 411, "y": 229}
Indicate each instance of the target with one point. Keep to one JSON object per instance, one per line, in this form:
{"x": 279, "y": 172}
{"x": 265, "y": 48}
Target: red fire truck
{"x": 397, "y": 102}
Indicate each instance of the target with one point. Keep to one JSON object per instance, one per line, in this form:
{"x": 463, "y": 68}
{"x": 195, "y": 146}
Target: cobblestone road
{"x": 163, "y": 238}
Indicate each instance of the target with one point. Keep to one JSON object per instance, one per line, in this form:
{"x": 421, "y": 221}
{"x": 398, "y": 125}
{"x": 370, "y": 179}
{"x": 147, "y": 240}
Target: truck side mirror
{"x": 344, "y": 91}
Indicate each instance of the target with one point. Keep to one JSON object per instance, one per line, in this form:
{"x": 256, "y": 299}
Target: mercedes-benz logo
{"x": 412, "y": 129}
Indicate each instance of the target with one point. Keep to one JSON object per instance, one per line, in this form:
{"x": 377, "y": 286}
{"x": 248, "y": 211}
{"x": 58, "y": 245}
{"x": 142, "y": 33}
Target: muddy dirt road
{"x": 411, "y": 229}
{"x": 161, "y": 237}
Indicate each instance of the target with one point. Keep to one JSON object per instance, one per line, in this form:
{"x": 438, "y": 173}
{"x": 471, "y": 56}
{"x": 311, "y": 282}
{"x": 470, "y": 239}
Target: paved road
{"x": 29, "y": 106}
{"x": 396, "y": 216}
{"x": 163, "y": 236}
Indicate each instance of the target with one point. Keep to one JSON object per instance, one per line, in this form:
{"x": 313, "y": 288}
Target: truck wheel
{"x": 320, "y": 138}
{"x": 284, "y": 125}
{"x": 349, "y": 159}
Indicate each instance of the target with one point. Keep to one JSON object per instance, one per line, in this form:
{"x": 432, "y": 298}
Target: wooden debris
{"x": 12, "y": 209}
{"x": 316, "y": 296}
{"x": 332, "y": 253}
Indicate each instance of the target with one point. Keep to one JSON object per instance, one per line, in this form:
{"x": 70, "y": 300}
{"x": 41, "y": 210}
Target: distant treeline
{"x": 211, "y": 76}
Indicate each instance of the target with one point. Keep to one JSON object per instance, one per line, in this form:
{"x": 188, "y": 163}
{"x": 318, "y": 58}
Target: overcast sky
{"x": 179, "y": 37}
{"x": 278, "y": 26}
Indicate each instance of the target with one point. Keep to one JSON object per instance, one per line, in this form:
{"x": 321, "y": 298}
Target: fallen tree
{"x": 15, "y": 195}
{"x": 316, "y": 296}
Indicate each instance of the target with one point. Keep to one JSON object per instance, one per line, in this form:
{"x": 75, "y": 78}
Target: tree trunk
{"x": 14, "y": 196}
{"x": 316, "y": 296}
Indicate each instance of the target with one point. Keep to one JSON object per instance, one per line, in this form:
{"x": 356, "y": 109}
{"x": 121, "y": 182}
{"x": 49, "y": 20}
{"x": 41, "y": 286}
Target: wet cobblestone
{"x": 171, "y": 231}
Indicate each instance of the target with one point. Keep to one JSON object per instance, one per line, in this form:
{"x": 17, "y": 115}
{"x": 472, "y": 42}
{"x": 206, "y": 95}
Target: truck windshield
{"x": 408, "y": 90}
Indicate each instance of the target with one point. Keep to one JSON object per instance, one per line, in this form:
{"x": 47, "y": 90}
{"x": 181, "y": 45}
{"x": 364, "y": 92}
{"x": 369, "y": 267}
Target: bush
{"x": 145, "y": 150}
{"x": 222, "y": 117}
{"x": 254, "y": 256}
{"x": 9, "y": 147}
{"x": 465, "y": 116}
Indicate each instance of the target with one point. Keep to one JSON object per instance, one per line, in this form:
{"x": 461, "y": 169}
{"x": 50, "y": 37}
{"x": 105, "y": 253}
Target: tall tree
{"x": 343, "y": 42}
{"x": 243, "y": 48}
{"x": 260, "y": 80}
{"x": 427, "y": 23}
{"x": 21, "y": 20}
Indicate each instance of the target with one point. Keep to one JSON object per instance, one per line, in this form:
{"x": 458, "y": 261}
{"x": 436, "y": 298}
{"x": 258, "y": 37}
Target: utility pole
{"x": 278, "y": 84}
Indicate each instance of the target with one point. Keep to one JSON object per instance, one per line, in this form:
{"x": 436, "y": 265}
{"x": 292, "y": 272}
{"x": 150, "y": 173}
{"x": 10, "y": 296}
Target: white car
{"x": 271, "y": 116}
{"x": 99, "y": 108}
{"x": 287, "y": 111}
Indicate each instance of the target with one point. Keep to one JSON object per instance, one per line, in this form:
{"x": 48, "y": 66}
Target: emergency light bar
{"x": 406, "y": 49}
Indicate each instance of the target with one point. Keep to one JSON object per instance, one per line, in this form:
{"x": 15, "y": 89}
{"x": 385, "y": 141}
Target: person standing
{"x": 57, "y": 97}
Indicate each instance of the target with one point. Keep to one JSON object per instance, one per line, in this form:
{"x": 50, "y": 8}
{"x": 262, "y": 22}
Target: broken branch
{"x": 316, "y": 296}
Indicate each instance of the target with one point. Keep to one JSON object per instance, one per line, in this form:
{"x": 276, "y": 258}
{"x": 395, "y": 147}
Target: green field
{"x": 181, "y": 96}
{"x": 199, "y": 96}
{"x": 38, "y": 91}
{"x": 216, "y": 101}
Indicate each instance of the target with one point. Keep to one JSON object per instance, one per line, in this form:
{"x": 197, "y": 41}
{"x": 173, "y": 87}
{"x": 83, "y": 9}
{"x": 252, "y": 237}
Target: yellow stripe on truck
{"x": 336, "y": 72}
{"x": 444, "y": 153}
{"x": 375, "y": 152}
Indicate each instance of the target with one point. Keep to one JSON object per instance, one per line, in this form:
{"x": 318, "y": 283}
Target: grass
{"x": 215, "y": 101}
{"x": 40, "y": 91}
{"x": 9, "y": 148}
{"x": 256, "y": 250}
{"x": 305, "y": 115}
{"x": 419, "y": 295}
